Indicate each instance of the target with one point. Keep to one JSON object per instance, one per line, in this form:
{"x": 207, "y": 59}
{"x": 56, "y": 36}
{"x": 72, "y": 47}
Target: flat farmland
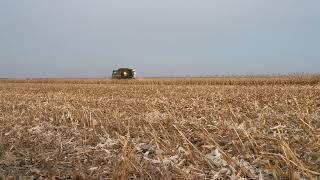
{"x": 161, "y": 128}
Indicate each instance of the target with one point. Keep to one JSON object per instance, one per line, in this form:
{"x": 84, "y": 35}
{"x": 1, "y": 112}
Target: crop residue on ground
{"x": 182, "y": 128}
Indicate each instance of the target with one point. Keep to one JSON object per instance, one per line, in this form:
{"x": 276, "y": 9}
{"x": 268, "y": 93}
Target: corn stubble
{"x": 183, "y": 128}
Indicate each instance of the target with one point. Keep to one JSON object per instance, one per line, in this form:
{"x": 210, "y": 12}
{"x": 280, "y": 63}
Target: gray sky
{"x": 82, "y": 38}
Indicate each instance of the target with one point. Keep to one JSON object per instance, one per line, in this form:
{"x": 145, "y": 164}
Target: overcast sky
{"x": 88, "y": 38}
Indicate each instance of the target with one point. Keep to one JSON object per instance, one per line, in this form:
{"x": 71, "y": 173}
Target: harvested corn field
{"x": 181, "y": 128}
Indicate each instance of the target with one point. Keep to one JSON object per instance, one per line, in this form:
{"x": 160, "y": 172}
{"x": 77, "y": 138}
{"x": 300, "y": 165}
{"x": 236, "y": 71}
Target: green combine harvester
{"x": 124, "y": 73}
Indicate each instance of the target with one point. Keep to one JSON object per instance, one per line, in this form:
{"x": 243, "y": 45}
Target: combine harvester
{"x": 124, "y": 73}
